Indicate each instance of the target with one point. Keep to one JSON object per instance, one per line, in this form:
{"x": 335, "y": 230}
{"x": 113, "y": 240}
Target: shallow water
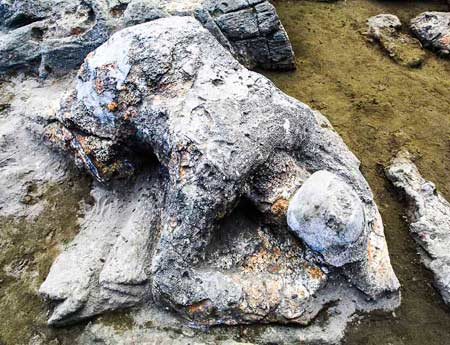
{"x": 378, "y": 107}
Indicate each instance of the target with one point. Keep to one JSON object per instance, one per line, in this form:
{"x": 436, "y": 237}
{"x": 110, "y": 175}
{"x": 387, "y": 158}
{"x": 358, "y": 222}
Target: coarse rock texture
{"x": 429, "y": 219}
{"x": 402, "y": 48}
{"x": 56, "y": 35}
{"x": 433, "y": 30}
{"x": 213, "y": 153}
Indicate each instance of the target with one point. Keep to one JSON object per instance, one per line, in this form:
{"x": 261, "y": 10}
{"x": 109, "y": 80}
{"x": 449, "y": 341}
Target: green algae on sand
{"x": 28, "y": 248}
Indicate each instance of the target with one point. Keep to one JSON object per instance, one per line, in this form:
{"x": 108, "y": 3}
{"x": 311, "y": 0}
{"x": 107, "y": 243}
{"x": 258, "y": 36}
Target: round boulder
{"x": 328, "y": 215}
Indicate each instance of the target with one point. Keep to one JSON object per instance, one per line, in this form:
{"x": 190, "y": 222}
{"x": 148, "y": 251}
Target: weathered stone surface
{"x": 249, "y": 29}
{"x": 403, "y": 49}
{"x": 56, "y": 35}
{"x": 218, "y": 151}
{"x": 433, "y": 30}
{"x": 328, "y": 215}
{"x": 429, "y": 218}
{"x": 26, "y": 169}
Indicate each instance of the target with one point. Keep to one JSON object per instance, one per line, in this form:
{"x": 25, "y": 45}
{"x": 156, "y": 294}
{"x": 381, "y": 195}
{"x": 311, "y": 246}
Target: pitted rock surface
{"x": 429, "y": 218}
{"x": 56, "y": 35}
{"x": 216, "y": 153}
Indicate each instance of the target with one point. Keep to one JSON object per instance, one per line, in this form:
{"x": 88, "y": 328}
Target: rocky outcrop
{"x": 249, "y": 29}
{"x": 50, "y": 34}
{"x": 403, "y": 49}
{"x": 428, "y": 216}
{"x": 55, "y": 35}
{"x": 214, "y": 154}
{"x": 433, "y": 30}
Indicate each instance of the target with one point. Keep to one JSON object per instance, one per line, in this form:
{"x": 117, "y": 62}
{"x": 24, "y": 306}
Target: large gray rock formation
{"x": 56, "y": 35}
{"x": 385, "y": 29}
{"x": 215, "y": 152}
{"x": 429, "y": 219}
{"x": 433, "y": 30}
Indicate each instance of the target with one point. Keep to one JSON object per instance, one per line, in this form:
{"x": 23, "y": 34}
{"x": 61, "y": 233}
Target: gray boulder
{"x": 215, "y": 152}
{"x": 429, "y": 219}
{"x": 329, "y": 216}
{"x": 384, "y": 29}
{"x": 433, "y": 30}
{"x": 56, "y": 35}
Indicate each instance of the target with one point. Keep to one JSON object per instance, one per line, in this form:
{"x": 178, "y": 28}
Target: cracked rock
{"x": 56, "y": 35}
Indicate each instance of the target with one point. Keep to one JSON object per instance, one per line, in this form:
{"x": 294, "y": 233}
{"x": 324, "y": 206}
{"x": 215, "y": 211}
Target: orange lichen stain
{"x": 82, "y": 141}
{"x": 256, "y": 260}
{"x": 274, "y": 268}
{"x": 445, "y": 39}
{"x": 199, "y": 309}
{"x": 112, "y": 106}
{"x": 76, "y": 31}
{"x": 276, "y": 251}
{"x": 315, "y": 272}
{"x": 279, "y": 207}
{"x": 265, "y": 259}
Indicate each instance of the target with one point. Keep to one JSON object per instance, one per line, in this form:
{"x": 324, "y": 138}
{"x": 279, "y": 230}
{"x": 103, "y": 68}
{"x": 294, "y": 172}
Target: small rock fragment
{"x": 403, "y": 49}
